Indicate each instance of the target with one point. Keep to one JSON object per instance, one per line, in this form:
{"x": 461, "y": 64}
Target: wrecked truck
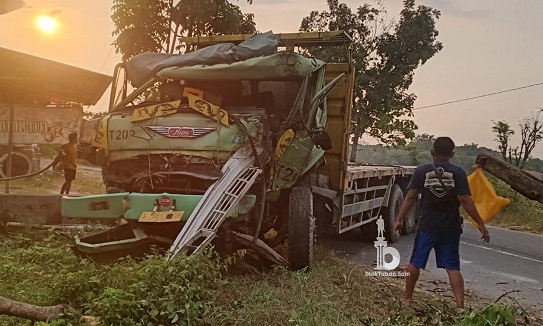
{"x": 243, "y": 143}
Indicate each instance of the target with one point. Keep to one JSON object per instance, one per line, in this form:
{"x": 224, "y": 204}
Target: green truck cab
{"x": 247, "y": 153}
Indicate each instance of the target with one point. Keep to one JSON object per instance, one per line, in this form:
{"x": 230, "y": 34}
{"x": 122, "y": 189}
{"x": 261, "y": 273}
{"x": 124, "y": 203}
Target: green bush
{"x": 492, "y": 314}
{"x": 156, "y": 292}
{"x": 40, "y": 269}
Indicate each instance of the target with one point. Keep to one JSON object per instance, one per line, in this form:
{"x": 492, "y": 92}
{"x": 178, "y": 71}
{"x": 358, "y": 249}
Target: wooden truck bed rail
{"x": 357, "y": 171}
{"x": 285, "y": 39}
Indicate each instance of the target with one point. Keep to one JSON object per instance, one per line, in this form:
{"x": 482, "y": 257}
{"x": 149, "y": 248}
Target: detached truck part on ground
{"x": 239, "y": 144}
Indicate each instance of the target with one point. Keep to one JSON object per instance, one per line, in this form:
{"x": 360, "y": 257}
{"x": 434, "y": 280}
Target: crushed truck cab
{"x": 243, "y": 142}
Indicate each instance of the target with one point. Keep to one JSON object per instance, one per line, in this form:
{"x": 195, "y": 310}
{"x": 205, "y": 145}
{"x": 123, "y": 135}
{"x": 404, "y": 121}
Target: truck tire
{"x": 410, "y": 221}
{"x": 301, "y": 228}
{"x": 390, "y": 213}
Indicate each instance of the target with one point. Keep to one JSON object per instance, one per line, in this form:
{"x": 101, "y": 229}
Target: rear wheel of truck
{"x": 390, "y": 213}
{"x": 301, "y": 228}
{"x": 410, "y": 221}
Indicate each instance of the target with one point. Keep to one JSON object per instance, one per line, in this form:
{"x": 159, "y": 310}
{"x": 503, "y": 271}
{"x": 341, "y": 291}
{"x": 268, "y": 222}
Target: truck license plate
{"x": 173, "y": 216}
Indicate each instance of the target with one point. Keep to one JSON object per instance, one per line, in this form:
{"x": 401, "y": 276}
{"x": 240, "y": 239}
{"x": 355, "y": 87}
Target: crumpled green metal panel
{"x": 291, "y": 160}
{"x": 277, "y": 66}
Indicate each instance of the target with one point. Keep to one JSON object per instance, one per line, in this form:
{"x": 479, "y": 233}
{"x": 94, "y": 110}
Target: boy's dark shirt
{"x": 440, "y": 208}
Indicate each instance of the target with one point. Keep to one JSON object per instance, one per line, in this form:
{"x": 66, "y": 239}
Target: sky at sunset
{"x": 489, "y": 46}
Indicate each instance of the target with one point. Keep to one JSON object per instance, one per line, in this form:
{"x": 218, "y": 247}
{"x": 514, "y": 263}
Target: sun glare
{"x": 47, "y": 24}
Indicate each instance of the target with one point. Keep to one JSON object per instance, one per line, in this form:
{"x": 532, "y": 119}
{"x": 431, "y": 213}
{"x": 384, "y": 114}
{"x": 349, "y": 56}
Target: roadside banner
{"x": 40, "y": 125}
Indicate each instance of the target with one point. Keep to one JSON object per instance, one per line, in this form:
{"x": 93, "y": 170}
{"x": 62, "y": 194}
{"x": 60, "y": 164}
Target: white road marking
{"x": 503, "y": 252}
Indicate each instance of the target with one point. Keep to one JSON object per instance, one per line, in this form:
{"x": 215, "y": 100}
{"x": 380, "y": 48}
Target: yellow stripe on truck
{"x": 208, "y": 109}
{"x": 156, "y": 110}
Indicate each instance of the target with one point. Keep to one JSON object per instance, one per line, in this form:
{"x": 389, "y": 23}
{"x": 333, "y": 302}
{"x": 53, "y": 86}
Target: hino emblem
{"x": 181, "y": 132}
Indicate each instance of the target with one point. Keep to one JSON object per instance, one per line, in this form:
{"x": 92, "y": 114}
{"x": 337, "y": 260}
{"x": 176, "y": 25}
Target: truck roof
{"x": 254, "y": 50}
{"x": 279, "y": 66}
{"x": 28, "y": 75}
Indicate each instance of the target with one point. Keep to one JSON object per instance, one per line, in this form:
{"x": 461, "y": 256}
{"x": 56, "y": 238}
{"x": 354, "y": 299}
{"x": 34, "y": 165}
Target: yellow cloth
{"x": 486, "y": 200}
{"x": 68, "y": 155}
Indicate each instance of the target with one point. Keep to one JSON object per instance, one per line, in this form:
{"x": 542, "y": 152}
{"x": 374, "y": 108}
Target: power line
{"x": 107, "y": 57}
{"x": 479, "y": 96}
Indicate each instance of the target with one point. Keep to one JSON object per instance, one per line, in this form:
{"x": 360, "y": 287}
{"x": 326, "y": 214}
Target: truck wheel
{"x": 301, "y": 228}
{"x": 410, "y": 221}
{"x": 390, "y": 213}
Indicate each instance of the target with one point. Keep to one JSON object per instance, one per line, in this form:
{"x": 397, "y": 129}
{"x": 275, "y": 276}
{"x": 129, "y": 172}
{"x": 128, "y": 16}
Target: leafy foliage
{"x": 493, "y": 314}
{"x": 154, "y": 25}
{"x": 503, "y": 133}
{"x": 385, "y": 55}
{"x": 489, "y": 315}
{"x": 531, "y": 133}
{"x": 140, "y": 26}
{"x": 211, "y": 17}
{"x": 154, "y": 292}
{"x": 418, "y": 152}
{"x": 130, "y": 292}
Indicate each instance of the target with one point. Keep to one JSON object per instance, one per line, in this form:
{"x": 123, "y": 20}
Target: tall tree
{"x": 385, "y": 55}
{"x": 424, "y": 141}
{"x": 503, "y": 133}
{"x": 531, "y": 133}
{"x": 141, "y": 26}
{"x": 155, "y": 25}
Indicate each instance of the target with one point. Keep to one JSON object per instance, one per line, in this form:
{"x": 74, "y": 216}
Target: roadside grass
{"x": 38, "y": 267}
{"x": 334, "y": 292}
{"x": 521, "y": 214}
{"x": 338, "y": 292}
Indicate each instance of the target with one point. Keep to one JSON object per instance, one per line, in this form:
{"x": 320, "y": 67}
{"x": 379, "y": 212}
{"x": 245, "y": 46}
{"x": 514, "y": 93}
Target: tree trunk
{"x": 529, "y": 184}
{"x": 32, "y": 312}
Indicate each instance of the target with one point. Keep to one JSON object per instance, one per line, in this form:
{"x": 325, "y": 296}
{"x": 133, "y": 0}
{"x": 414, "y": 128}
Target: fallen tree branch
{"x": 31, "y": 312}
{"x": 526, "y": 183}
{"x": 506, "y": 293}
{"x": 50, "y": 226}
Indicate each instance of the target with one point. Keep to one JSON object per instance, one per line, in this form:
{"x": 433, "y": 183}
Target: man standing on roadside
{"x": 68, "y": 157}
{"x": 444, "y": 187}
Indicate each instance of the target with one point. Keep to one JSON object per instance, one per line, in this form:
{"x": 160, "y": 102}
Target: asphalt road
{"x": 512, "y": 261}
